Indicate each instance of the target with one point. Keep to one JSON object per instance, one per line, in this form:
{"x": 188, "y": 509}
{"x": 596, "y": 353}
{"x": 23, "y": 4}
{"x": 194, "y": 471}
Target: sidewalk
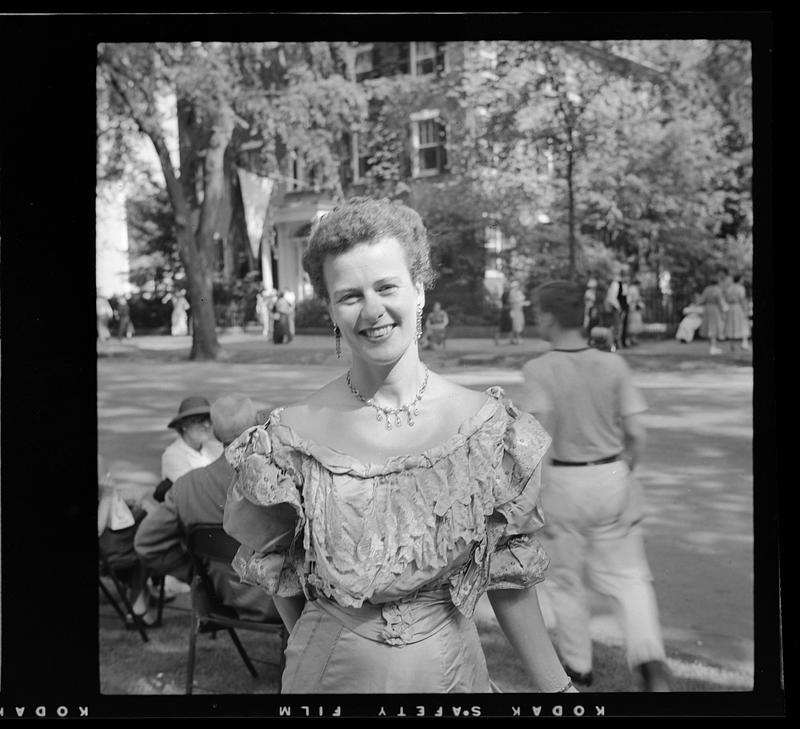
{"x": 318, "y": 349}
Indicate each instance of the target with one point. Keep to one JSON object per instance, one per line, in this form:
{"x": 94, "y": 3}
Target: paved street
{"x": 697, "y": 469}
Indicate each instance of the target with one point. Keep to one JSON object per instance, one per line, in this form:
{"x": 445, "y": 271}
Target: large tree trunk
{"x": 193, "y": 253}
{"x": 198, "y": 273}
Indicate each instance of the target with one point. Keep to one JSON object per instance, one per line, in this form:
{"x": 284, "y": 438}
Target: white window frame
{"x": 414, "y": 57}
{"x": 494, "y": 239}
{"x": 416, "y": 118}
{"x": 355, "y": 157}
{"x": 362, "y": 48}
{"x": 296, "y": 177}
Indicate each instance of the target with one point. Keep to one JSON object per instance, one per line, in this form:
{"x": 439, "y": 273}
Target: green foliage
{"x": 312, "y": 314}
{"x": 154, "y": 259}
{"x": 149, "y": 312}
{"x": 456, "y": 230}
{"x": 235, "y": 301}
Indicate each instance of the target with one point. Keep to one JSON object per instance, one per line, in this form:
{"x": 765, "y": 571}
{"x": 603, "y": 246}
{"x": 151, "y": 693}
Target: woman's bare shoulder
{"x": 303, "y": 411}
{"x": 463, "y": 400}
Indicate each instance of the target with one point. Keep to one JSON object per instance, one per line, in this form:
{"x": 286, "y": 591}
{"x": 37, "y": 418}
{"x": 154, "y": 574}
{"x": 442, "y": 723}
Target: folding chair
{"x": 207, "y": 543}
{"x": 112, "y": 569}
{"x": 106, "y": 569}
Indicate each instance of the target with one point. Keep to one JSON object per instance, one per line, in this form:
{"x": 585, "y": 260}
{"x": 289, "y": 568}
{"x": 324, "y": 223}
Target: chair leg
{"x": 284, "y": 642}
{"x": 242, "y": 653}
{"x": 125, "y": 601}
{"x": 190, "y": 662}
{"x": 161, "y": 582}
{"x": 111, "y": 599}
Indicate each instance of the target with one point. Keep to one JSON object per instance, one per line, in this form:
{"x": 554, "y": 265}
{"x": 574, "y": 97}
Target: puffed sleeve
{"x": 264, "y": 513}
{"x": 518, "y": 559}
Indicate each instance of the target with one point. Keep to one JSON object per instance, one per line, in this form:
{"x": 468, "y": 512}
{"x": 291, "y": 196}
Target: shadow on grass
{"x": 128, "y": 666}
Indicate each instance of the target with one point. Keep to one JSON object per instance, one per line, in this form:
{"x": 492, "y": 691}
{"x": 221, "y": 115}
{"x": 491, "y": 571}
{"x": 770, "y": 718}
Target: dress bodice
{"x": 712, "y": 296}
{"x": 735, "y": 294}
{"x": 459, "y": 516}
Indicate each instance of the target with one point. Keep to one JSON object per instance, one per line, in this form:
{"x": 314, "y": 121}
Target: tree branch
{"x": 155, "y": 135}
{"x": 618, "y": 64}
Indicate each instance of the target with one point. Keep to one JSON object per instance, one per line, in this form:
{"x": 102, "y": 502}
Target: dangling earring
{"x": 419, "y": 323}
{"x": 337, "y": 336}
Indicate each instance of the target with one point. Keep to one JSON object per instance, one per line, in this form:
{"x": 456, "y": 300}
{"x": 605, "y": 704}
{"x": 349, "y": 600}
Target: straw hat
{"x": 194, "y": 405}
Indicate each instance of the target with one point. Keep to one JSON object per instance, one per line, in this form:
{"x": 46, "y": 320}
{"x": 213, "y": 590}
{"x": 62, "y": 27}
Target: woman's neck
{"x": 393, "y": 384}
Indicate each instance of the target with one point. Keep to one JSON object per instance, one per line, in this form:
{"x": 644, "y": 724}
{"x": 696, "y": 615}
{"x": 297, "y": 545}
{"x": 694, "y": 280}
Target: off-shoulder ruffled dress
{"x": 391, "y": 557}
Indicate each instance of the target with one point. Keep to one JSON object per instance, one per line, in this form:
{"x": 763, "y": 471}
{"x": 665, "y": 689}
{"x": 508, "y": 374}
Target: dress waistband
{"x": 609, "y": 459}
{"x": 400, "y": 622}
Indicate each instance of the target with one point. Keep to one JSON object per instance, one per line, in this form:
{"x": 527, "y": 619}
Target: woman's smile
{"x": 378, "y": 334}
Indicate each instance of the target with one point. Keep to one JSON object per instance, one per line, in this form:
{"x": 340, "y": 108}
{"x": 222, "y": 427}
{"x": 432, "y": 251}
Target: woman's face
{"x": 373, "y": 299}
{"x": 196, "y": 431}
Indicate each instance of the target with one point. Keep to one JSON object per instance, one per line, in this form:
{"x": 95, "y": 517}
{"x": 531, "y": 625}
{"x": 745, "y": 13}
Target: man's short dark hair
{"x": 562, "y": 299}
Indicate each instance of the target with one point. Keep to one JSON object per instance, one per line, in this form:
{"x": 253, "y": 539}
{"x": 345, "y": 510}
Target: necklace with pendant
{"x": 387, "y": 414}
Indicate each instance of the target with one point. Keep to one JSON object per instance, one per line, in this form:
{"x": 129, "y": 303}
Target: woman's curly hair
{"x": 367, "y": 220}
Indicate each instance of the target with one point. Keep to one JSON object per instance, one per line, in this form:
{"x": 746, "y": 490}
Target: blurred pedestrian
{"x": 281, "y": 309}
{"x": 616, "y": 305}
{"x": 180, "y": 319}
{"x": 692, "y": 320}
{"x": 436, "y": 323}
{"x": 598, "y": 331}
{"x": 104, "y": 316}
{"x": 593, "y": 506}
{"x": 737, "y": 324}
{"x": 504, "y": 319}
{"x": 290, "y": 299}
{"x": 714, "y": 309}
{"x": 633, "y": 319}
{"x": 125, "y": 325}
{"x": 589, "y": 304}
{"x": 264, "y": 301}
{"x": 517, "y": 303}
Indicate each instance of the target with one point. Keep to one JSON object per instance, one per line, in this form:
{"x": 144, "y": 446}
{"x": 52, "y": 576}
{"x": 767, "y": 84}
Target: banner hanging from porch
{"x": 256, "y": 191}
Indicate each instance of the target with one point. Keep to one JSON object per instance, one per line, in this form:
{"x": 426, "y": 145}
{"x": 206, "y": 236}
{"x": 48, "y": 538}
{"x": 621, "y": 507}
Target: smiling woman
{"x": 411, "y": 495}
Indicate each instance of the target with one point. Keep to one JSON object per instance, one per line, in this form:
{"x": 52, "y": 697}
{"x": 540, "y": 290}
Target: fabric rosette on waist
{"x": 397, "y": 623}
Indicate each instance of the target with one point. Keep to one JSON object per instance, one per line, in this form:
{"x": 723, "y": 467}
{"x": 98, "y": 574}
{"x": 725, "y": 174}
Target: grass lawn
{"x": 129, "y": 666}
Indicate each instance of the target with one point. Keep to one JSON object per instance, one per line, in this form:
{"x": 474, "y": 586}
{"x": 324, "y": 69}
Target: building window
{"x": 364, "y": 65}
{"x": 494, "y": 239}
{"x": 419, "y": 58}
{"x": 429, "y": 140}
{"x": 297, "y": 178}
{"x": 355, "y": 161}
{"x": 425, "y": 57}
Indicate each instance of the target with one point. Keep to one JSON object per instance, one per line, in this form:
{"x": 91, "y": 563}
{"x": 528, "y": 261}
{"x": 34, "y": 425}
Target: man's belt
{"x": 610, "y": 459}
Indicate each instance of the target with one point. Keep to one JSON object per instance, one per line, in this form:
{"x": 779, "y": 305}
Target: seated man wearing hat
{"x": 195, "y": 445}
{"x": 198, "y": 497}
